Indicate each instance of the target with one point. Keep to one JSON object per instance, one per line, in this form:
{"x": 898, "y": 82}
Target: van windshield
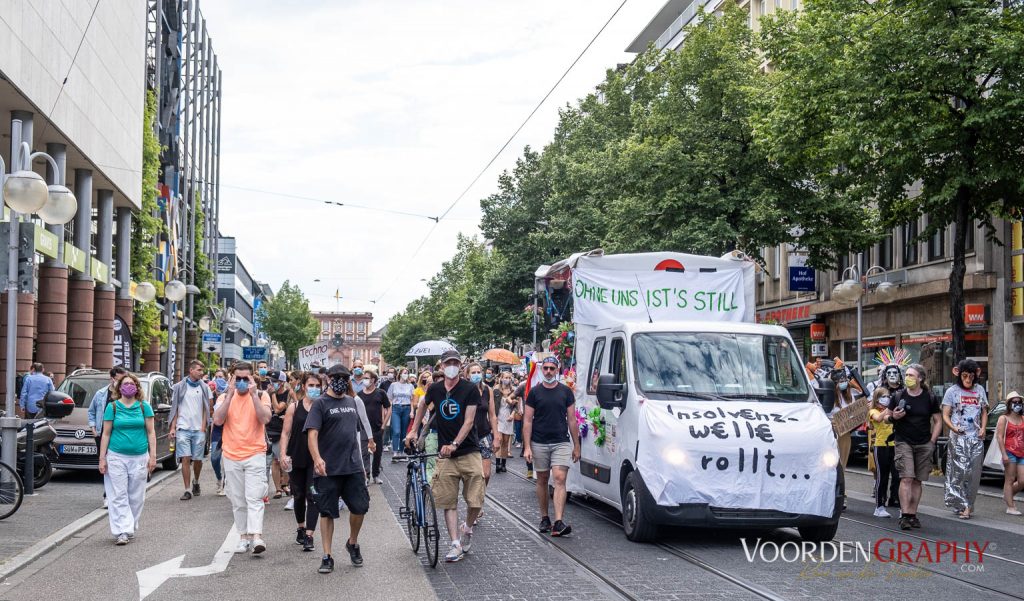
{"x": 713, "y": 365}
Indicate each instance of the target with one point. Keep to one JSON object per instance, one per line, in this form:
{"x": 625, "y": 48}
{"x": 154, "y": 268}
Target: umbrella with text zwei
{"x": 500, "y": 355}
{"x": 430, "y": 348}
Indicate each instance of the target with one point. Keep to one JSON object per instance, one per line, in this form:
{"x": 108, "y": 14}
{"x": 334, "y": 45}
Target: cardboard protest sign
{"x": 605, "y": 296}
{"x": 852, "y": 416}
{"x": 739, "y": 455}
{"x": 314, "y": 353}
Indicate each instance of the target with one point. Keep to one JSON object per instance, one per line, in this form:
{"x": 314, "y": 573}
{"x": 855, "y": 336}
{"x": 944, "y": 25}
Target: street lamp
{"x": 261, "y": 341}
{"x": 24, "y": 191}
{"x": 245, "y": 342}
{"x": 853, "y": 289}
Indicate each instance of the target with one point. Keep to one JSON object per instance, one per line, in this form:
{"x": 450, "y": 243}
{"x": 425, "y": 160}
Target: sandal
{"x": 964, "y": 516}
{"x": 277, "y": 495}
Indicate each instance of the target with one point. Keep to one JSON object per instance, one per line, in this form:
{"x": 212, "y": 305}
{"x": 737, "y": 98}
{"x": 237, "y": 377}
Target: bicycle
{"x": 12, "y": 491}
{"x": 419, "y": 512}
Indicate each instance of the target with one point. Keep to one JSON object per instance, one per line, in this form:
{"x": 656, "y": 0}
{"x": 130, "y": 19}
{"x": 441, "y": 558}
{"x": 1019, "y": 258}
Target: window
{"x": 596, "y": 359}
{"x": 361, "y": 327}
{"x": 348, "y": 326}
{"x": 617, "y": 361}
{"x": 937, "y": 244}
{"x": 909, "y": 243}
{"x": 883, "y": 251}
{"x": 777, "y": 259}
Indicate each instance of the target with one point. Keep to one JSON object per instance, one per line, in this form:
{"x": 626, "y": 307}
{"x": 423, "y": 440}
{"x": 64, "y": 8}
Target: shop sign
{"x": 819, "y": 349}
{"x": 817, "y": 331}
{"x": 786, "y": 315}
{"x": 927, "y": 338}
{"x": 801, "y": 277}
{"x": 100, "y": 271}
{"x": 879, "y": 343}
{"x": 74, "y": 257}
{"x": 975, "y": 314}
{"x": 46, "y": 242}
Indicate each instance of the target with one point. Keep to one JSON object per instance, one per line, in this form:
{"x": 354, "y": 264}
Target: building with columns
{"x": 359, "y": 341}
{"x": 72, "y": 84}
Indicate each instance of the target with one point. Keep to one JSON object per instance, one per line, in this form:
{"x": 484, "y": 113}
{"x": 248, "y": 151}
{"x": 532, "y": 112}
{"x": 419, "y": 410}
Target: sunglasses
{"x": 549, "y": 368}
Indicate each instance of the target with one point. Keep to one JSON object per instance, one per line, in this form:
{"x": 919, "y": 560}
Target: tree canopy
{"x": 287, "y": 320}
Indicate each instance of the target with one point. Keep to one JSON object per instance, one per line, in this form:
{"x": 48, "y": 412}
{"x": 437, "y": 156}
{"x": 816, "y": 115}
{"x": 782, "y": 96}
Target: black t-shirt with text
{"x": 338, "y": 441}
{"x": 376, "y": 402}
{"x": 916, "y": 426}
{"x": 451, "y": 413}
{"x": 550, "y": 421}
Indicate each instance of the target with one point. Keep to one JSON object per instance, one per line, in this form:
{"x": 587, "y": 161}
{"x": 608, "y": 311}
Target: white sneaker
{"x": 1012, "y": 511}
{"x": 258, "y": 546}
{"x": 378, "y": 480}
{"x": 290, "y": 505}
{"x": 243, "y": 546}
{"x": 220, "y": 490}
{"x": 465, "y": 537}
{"x": 104, "y": 502}
{"x": 341, "y": 505}
{"x": 880, "y": 512}
{"x": 455, "y": 552}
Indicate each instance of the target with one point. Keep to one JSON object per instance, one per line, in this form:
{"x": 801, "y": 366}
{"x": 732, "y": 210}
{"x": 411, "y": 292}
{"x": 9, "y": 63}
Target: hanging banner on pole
{"x": 606, "y": 296}
{"x": 122, "y": 344}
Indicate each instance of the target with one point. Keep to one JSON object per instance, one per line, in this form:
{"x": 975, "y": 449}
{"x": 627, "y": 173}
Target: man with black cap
{"x": 454, "y": 401}
{"x": 338, "y": 463}
{"x": 550, "y": 408}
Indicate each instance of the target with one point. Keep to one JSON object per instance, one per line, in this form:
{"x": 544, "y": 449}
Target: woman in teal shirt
{"x": 127, "y": 457}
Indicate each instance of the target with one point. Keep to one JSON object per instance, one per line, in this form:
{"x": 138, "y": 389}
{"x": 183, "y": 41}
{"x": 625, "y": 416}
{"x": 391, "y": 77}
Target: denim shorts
{"x": 190, "y": 443}
{"x": 1014, "y": 458}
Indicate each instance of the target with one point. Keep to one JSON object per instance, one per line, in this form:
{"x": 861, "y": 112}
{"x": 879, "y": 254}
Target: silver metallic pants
{"x": 964, "y": 455}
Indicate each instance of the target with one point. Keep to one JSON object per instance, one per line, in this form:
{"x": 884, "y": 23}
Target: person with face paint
{"x": 965, "y": 413}
{"x": 400, "y": 395}
{"x": 298, "y": 462}
{"x": 916, "y": 426}
{"x": 189, "y": 415}
{"x": 1010, "y": 438}
{"x": 244, "y": 412}
{"x": 884, "y": 452}
{"x": 127, "y": 457}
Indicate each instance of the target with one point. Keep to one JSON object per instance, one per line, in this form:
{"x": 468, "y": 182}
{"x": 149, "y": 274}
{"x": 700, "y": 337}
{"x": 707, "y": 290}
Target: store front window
{"x": 934, "y": 350}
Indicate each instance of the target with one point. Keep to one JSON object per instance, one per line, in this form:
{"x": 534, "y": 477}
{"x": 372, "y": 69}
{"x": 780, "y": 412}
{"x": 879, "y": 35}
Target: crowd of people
{"x": 905, "y": 421}
{"x": 318, "y": 437}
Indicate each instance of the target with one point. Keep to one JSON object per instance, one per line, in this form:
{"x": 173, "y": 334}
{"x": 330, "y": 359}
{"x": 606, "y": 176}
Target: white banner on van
{"x": 606, "y": 296}
{"x": 739, "y": 455}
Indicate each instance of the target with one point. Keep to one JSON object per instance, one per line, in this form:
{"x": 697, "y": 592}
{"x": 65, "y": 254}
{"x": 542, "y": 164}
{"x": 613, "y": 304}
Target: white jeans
{"x": 125, "y": 485}
{"x": 245, "y": 482}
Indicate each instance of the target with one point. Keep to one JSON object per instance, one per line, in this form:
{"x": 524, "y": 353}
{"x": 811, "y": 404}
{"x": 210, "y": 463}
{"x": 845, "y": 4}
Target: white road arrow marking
{"x": 151, "y": 578}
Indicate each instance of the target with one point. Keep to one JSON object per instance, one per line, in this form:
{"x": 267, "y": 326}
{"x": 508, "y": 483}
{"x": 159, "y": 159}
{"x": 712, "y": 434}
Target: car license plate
{"x": 71, "y": 449}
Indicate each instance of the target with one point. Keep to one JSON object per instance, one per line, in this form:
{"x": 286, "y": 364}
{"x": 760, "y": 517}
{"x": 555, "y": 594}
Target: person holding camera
{"x": 916, "y": 427}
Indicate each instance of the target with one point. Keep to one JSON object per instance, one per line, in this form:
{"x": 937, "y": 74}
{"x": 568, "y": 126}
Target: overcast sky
{"x": 393, "y": 105}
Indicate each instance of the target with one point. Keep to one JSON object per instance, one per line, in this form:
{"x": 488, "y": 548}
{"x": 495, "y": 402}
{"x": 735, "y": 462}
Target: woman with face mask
{"x": 297, "y": 461}
{"x": 127, "y": 457}
{"x": 400, "y": 395}
{"x": 504, "y": 397}
{"x": 884, "y": 453}
{"x": 486, "y": 420}
{"x": 1010, "y": 438}
{"x": 965, "y": 413}
{"x": 844, "y": 397}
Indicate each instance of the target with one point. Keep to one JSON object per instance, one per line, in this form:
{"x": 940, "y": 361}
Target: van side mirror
{"x": 57, "y": 405}
{"x": 609, "y": 393}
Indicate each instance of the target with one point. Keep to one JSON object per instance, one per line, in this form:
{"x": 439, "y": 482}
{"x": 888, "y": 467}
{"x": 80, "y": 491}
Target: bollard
{"x": 30, "y": 458}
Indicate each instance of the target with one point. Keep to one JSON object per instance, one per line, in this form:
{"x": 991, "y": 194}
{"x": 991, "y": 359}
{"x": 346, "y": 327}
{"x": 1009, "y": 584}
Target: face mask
{"x": 489, "y": 377}
{"x": 313, "y": 393}
{"x": 391, "y": 376}
{"x": 242, "y": 386}
{"x": 451, "y": 371}
{"x": 883, "y": 402}
{"x": 506, "y": 382}
{"x": 357, "y": 371}
{"x": 221, "y": 384}
{"x": 263, "y": 371}
{"x": 405, "y": 377}
{"x": 129, "y": 389}
{"x": 475, "y": 378}
{"x": 844, "y": 385}
{"x": 1017, "y": 408}
{"x": 339, "y": 386}
{"x": 550, "y": 379}
{"x": 910, "y": 381}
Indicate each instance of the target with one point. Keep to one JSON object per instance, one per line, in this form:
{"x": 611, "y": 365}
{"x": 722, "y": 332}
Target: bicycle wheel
{"x": 412, "y": 523}
{"x": 12, "y": 491}
{"x": 431, "y": 534}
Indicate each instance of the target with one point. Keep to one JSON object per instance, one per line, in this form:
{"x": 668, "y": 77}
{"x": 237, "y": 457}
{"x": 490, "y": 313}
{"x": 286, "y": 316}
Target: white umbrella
{"x": 430, "y": 348}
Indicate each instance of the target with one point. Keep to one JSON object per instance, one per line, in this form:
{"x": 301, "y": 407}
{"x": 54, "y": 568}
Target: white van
{"x": 690, "y": 413}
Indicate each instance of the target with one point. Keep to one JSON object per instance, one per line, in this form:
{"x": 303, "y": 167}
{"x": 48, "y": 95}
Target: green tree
{"x": 910, "y": 107}
{"x": 404, "y": 330}
{"x": 287, "y": 320}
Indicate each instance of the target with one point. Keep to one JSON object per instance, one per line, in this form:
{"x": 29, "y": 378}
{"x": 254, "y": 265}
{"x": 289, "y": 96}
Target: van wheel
{"x": 636, "y": 511}
{"x": 170, "y": 463}
{"x": 818, "y": 534}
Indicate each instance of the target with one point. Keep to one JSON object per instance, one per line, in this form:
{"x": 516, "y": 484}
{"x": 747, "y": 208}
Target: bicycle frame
{"x": 417, "y": 471}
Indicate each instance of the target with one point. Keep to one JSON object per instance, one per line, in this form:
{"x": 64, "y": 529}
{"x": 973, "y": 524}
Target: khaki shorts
{"x": 914, "y": 461}
{"x": 558, "y": 454}
{"x": 467, "y": 469}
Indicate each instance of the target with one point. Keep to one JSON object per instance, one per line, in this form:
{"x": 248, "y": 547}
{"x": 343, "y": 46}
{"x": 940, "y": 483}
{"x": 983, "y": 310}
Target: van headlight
{"x": 675, "y": 456}
{"x": 830, "y": 458}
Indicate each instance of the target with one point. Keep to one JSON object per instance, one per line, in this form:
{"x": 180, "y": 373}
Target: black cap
{"x": 449, "y": 355}
{"x": 338, "y": 370}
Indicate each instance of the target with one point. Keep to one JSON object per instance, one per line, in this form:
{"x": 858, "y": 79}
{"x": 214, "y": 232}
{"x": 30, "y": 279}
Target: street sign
{"x": 254, "y": 353}
{"x": 801, "y": 277}
{"x": 212, "y": 342}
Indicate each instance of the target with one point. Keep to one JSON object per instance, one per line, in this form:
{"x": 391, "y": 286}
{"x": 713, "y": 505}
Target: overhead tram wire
{"x": 504, "y": 146}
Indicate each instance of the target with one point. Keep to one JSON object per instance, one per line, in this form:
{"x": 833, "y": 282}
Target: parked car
{"x": 859, "y": 442}
{"x": 76, "y": 447}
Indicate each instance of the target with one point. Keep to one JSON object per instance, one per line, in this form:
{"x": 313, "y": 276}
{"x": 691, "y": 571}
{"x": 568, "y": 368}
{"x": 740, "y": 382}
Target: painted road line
{"x": 151, "y": 578}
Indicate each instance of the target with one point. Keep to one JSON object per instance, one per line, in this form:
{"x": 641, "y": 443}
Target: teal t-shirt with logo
{"x": 128, "y": 432}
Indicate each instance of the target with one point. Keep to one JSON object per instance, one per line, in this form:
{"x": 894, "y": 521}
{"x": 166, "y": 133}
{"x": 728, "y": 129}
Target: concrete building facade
{"x": 359, "y": 341}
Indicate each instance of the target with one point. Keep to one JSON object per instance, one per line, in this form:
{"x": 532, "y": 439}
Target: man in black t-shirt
{"x": 455, "y": 402}
{"x": 916, "y": 427}
{"x": 378, "y": 409}
{"x": 337, "y": 462}
{"x": 550, "y": 408}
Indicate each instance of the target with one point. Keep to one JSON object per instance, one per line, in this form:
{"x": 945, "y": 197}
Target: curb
{"x": 51, "y": 542}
